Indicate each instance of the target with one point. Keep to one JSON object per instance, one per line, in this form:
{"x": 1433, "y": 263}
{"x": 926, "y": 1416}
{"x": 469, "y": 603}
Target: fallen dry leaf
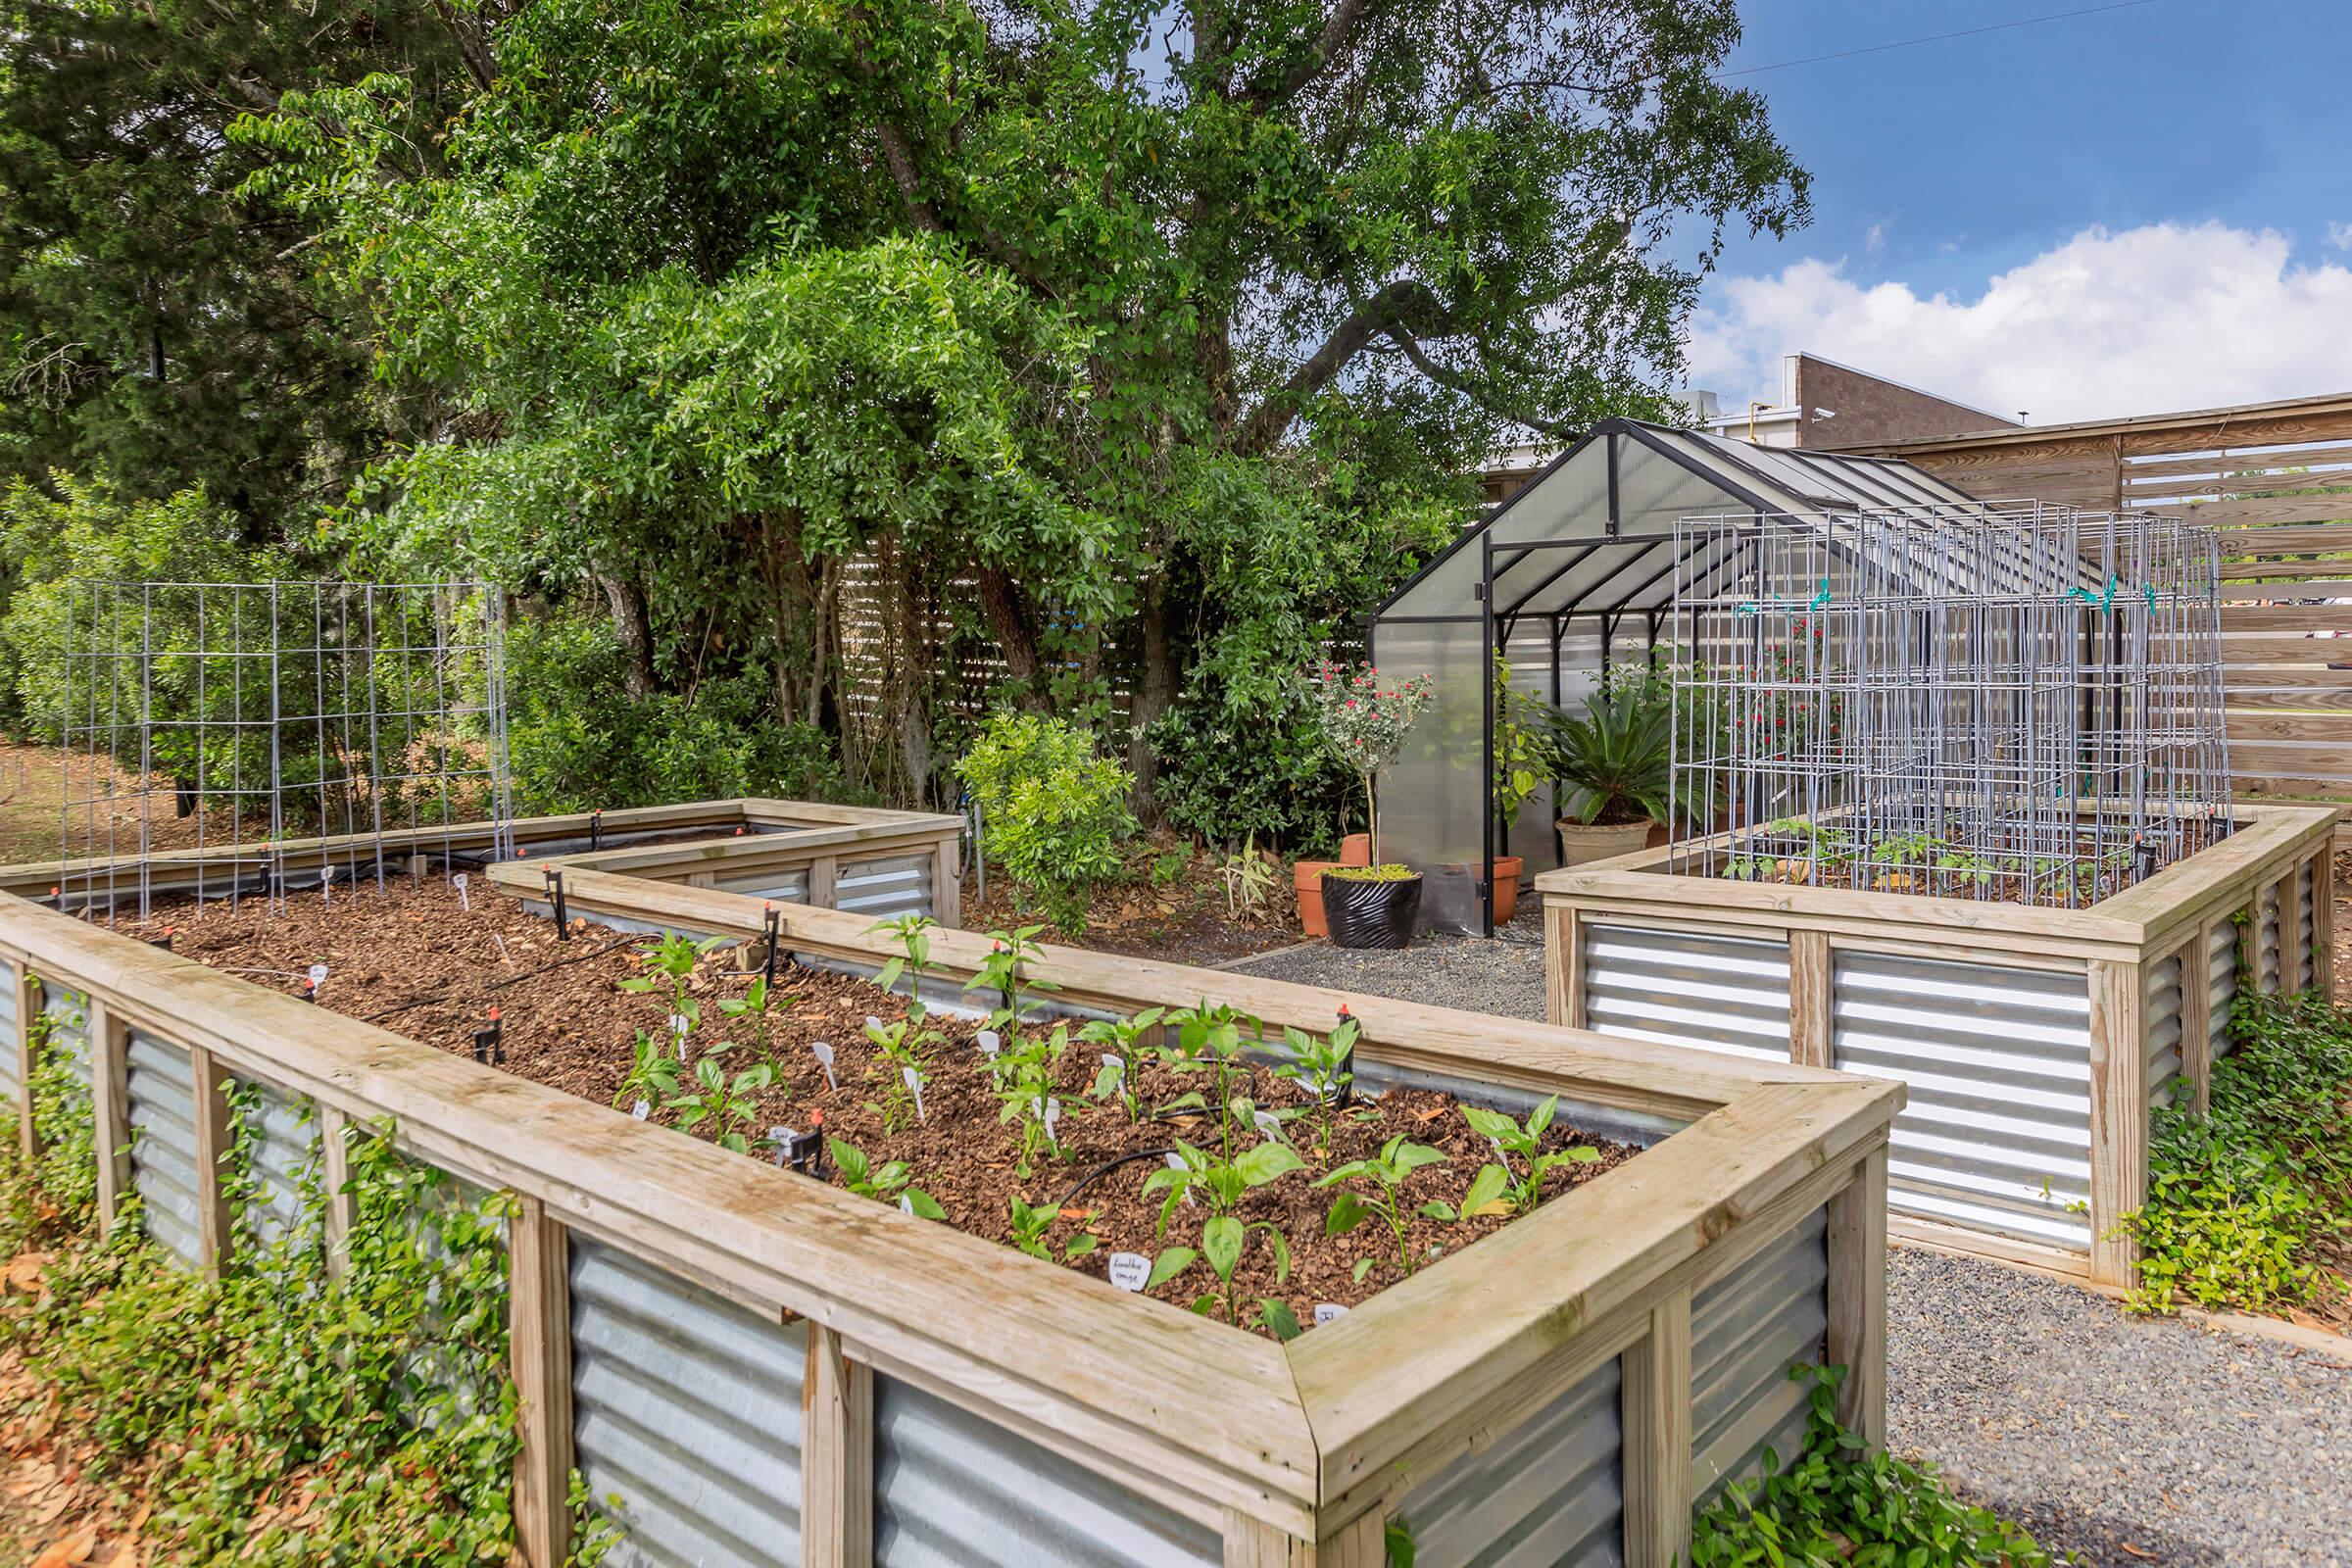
{"x": 2143, "y": 1556}
{"x": 69, "y": 1549}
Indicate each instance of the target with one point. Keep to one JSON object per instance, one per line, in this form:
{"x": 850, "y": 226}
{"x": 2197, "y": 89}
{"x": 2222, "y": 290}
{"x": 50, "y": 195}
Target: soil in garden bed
{"x": 422, "y": 963}
{"x": 1172, "y": 901}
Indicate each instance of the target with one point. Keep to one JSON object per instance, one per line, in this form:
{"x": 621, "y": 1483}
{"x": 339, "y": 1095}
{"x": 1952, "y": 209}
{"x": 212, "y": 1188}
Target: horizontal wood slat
{"x": 2321, "y": 588}
{"x": 2268, "y": 510}
{"x": 2292, "y": 760}
{"x": 2167, "y": 493}
{"x": 2248, "y": 648}
{"x": 2289, "y": 728}
{"x": 2232, "y": 462}
{"x": 2295, "y": 572}
{"x": 2313, "y": 699}
{"x": 2287, "y": 617}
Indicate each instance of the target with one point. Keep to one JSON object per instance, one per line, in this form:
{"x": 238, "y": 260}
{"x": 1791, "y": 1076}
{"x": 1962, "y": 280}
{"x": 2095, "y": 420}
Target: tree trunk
{"x": 1154, "y": 694}
{"x": 1008, "y": 622}
{"x": 634, "y": 627}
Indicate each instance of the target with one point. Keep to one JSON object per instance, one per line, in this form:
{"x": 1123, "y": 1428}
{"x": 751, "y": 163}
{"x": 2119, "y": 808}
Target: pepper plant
{"x": 1323, "y": 1068}
{"x": 1124, "y": 1037}
{"x": 898, "y": 1050}
{"x": 754, "y": 1004}
{"x": 1496, "y": 1189}
{"x": 653, "y": 1073}
{"x": 671, "y": 960}
{"x": 888, "y": 1183}
{"x": 1001, "y": 972}
{"x": 913, "y": 934}
{"x": 1023, "y": 1077}
{"x": 732, "y": 1104}
{"x": 1032, "y": 1228}
{"x": 1378, "y": 1189}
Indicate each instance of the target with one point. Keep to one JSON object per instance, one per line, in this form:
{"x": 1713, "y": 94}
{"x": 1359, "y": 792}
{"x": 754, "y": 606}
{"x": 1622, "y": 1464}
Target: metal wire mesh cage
{"x": 235, "y": 720}
{"x": 2019, "y": 706}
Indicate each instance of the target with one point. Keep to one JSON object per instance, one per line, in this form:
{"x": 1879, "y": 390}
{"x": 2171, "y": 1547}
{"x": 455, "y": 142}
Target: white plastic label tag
{"x": 317, "y": 975}
{"x": 1267, "y": 1125}
{"x": 989, "y": 1045}
{"x": 1176, "y": 1162}
{"x": 464, "y": 903}
{"x": 1129, "y": 1270}
{"x": 914, "y": 1082}
{"x": 824, "y": 1053}
{"x": 642, "y": 1109}
{"x": 1326, "y": 1311}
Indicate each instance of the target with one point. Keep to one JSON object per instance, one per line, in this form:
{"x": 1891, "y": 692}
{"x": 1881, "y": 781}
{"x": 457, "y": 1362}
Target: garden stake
{"x": 596, "y": 828}
{"x": 488, "y": 1050}
{"x": 1346, "y": 1096}
{"x": 555, "y": 893}
{"x": 775, "y": 936}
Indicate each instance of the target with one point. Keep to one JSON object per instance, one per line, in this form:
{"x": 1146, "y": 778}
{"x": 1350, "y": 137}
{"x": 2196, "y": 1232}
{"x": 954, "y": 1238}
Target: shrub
{"x": 2241, "y": 1197}
{"x": 1229, "y": 773}
{"x": 1052, "y": 811}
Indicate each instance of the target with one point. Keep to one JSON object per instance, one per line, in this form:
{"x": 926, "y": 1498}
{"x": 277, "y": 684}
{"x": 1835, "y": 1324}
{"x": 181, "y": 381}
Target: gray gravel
{"x": 2127, "y": 1441}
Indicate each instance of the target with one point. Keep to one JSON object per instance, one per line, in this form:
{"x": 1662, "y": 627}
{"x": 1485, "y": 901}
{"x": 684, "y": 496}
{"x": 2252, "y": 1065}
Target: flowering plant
{"x": 1363, "y": 719}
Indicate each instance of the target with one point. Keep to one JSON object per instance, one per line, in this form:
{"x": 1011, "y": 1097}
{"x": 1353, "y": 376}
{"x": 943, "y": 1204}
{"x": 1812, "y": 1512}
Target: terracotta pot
{"x": 1507, "y": 886}
{"x": 1357, "y": 850}
{"x": 1306, "y": 880}
{"x": 1660, "y": 835}
{"x": 1582, "y": 843}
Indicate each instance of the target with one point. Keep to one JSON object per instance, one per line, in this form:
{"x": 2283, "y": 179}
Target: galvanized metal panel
{"x": 284, "y": 1134}
{"x": 687, "y": 1408}
{"x": 2308, "y": 921}
{"x": 1748, "y": 1330}
{"x": 1996, "y": 1136}
{"x": 2220, "y": 986}
{"x": 951, "y": 1491}
{"x": 1550, "y": 1490}
{"x": 71, "y": 1029}
{"x": 787, "y": 886}
{"x": 2161, "y": 1012}
{"x": 2266, "y": 941}
{"x": 1685, "y": 987}
{"x": 896, "y": 884}
{"x": 161, "y": 1096}
{"x": 8, "y": 1040}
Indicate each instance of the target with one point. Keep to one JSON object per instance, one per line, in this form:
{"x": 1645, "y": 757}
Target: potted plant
{"x": 1363, "y": 721}
{"x": 1306, "y": 881}
{"x": 1616, "y": 760}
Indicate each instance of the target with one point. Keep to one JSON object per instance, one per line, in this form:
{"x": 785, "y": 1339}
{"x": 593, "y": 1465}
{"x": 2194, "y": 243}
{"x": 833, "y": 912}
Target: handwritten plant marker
{"x": 914, "y": 1083}
{"x": 642, "y": 1109}
{"x": 1129, "y": 1270}
{"x": 872, "y": 1023}
{"x": 326, "y": 883}
{"x": 458, "y": 881}
{"x": 1327, "y": 1312}
{"x": 824, "y": 1053}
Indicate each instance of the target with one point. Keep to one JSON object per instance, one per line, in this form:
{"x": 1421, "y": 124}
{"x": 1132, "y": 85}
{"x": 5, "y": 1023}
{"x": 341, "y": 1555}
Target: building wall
{"x": 1868, "y": 408}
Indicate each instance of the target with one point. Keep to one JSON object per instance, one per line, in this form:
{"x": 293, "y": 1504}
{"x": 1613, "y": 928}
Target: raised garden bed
{"x": 2034, "y": 1042}
{"x": 769, "y": 1367}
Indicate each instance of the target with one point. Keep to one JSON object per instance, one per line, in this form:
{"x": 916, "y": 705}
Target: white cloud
{"x": 2339, "y": 235}
{"x": 1875, "y": 240}
{"x": 2107, "y": 324}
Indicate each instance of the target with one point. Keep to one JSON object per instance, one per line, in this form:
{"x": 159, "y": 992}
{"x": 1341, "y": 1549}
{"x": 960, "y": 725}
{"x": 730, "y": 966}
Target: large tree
{"x": 1143, "y": 341}
{"x": 154, "y": 325}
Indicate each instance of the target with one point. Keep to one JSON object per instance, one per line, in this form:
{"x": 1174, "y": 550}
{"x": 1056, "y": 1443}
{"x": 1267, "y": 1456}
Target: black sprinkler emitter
{"x": 554, "y": 896}
{"x": 488, "y": 1050}
{"x": 776, "y": 939}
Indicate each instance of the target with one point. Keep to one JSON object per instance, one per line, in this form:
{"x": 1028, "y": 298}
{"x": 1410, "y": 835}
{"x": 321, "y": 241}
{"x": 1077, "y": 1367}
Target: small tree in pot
{"x": 1364, "y": 719}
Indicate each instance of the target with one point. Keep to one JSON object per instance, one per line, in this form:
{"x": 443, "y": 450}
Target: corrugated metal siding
{"x": 2220, "y": 986}
{"x": 2308, "y": 924}
{"x": 1552, "y": 1490}
{"x": 71, "y": 1031}
{"x": 163, "y": 1144}
{"x": 2161, "y": 1010}
{"x": 283, "y": 1136}
{"x": 896, "y": 885}
{"x": 8, "y": 1039}
{"x": 1996, "y": 1136}
{"x": 1748, "y": 1329}
{"x": 688, "y": 1408}
{"x": 1727, "y": 994}
{"x": 2266, "y": 941}
{"x": 951, "y": 1491}
{"x": 787, "y": 886}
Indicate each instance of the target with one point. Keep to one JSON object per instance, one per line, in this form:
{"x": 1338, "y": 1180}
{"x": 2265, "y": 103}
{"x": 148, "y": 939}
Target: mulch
{"x": 428, "y": 963}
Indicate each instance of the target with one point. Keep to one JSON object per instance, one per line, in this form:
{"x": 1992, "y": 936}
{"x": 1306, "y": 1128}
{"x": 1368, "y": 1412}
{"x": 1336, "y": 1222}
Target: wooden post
{"x": 822, "y": 872}
{"x": 215, "y": 1226}
{"x": 1857, "y": 1336}
{"x": 947, "y": 883}
{"x": 1563, "y": 966}
{"x": 1809, "y": 997}
{"x": 2119, "y": 1117}
{"x": 334, "y": 1174}
{"x": 109, "y": 1106}
{"x": 539, "y": 1357}
{"x": 1655, "y": 1418}
{"x": 837, "y": 1456}
{"x": 1362, "y": 1543}
{"x": 2322, "y": 922}
{"x": 28, "y": 1003}
{"x": 2196, "y": 1017}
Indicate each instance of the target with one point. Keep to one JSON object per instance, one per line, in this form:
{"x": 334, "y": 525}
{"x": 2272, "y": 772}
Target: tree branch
{"x": 1339, "y": 29}
{"x": 472, "y": 47}
{"x": 1464, "y": 387}
{"x": 1367, "y": 321}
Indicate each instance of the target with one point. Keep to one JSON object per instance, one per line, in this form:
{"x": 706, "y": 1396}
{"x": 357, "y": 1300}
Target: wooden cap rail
{"x": 1295, "y": 1451}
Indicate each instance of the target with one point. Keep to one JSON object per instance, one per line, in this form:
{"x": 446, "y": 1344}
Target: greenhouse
{"x": 1579, "y": 568}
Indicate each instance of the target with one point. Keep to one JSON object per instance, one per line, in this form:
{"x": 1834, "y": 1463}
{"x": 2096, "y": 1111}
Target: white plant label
{"x": 317, "y": 975}
{"x": 1118, "y": 1069}
{"x": 1129, "y": 1270}
{"x": 782, "y": 1138}
{"x": 1327, "y": 1312}
{"x": 464, "y": 903}
{"x": 905, "y": 1204}
{"x": 824, "y": 1059}
{"x": 1268, "y": 1126}
{"x": 642, "y": 1109}
{"x": 989, "y": 1045}
{"x": 1052, "y": 1117}
{"x": 872, "y": 1023}
{"x": 914, "y": 1082}
{"x": 1176, "y": 1162}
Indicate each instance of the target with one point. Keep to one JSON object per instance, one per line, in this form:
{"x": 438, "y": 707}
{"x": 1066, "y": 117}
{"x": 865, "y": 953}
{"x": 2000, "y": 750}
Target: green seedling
{"x": 731, "y": 1102}
{"x": 1124, "y": 1037}
{"x": 1023, "y": 1077}
{"x": 670, "y": 963}
{"x": 1378, "y": 1191}
{"x": 1032, "y": 1226}
{"x": 1001, "y": 972}
{"x": 899, "y": 1052}
{"x": 913, "y": 934}
{"x": 754, "y": 1004}
{"x": 1496, "y": 1189}
{"x": 1322, "y": 1067}
{"x": 1217, "y": 1182}
{"x": 889, "y": 1183}
{"x": 653, "y": 1073}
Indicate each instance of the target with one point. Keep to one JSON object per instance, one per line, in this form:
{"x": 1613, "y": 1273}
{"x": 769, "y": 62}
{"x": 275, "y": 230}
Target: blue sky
{"x": 2014, "y": 218}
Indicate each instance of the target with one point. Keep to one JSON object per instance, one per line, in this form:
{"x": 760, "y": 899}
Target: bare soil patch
{"x": 1173, "y": 901}
{"x": 421, "y": 961}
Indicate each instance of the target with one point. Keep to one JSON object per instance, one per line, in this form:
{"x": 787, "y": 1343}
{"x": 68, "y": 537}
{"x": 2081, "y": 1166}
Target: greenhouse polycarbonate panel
{"x": 284, "y": 1133}
{"x": 2221, "y": 986}
{"x": 1997, "y": 1133}
{"x": 1748, "y": 1330}
{"x": 952, "y": 1491}
{"x": 161, "y": 1096}
{"x": 2161, "y": 1012}
{"x": 688, "y": 1408}
{"x": 1431, "y": 805}
{"x": 1550, "y": 1490}
{"x": 1687, "y": 988}
{"x": 898, "y": 885}
{"x": 789, "y": 886}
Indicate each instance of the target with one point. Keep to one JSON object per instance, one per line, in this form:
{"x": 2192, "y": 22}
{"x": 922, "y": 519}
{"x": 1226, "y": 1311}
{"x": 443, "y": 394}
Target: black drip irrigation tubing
{"x": 1108, "y": 1166}
{"x": 424, "y": 997}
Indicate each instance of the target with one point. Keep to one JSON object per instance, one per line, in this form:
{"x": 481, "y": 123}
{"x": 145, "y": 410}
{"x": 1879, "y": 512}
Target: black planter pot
{"x": 1370, "y": 915}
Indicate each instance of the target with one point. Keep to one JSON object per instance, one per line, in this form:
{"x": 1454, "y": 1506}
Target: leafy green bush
{"x": 578, "y": 740}
{"x": 1230, "y": 774}
{"x": 1052, "y": 811}
{"x": 1839, "y": 1505}
{"x": 2239, "y": 1199}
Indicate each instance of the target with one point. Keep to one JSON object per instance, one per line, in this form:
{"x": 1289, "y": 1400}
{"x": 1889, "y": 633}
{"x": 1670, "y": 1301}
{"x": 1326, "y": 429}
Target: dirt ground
{"x": 431, "y": 964}
{"x": 1174, "y": 902}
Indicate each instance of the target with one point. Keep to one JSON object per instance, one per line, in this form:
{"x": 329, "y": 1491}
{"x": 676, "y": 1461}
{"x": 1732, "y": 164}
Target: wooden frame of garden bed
{"x": 796, "y": 847}
{"x": 2152, "y": 968}
{"x": 1293, "y": 1456}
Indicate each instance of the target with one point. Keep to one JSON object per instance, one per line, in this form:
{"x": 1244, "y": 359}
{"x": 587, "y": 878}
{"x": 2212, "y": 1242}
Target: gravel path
{"x": 2127, "y": 1441}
